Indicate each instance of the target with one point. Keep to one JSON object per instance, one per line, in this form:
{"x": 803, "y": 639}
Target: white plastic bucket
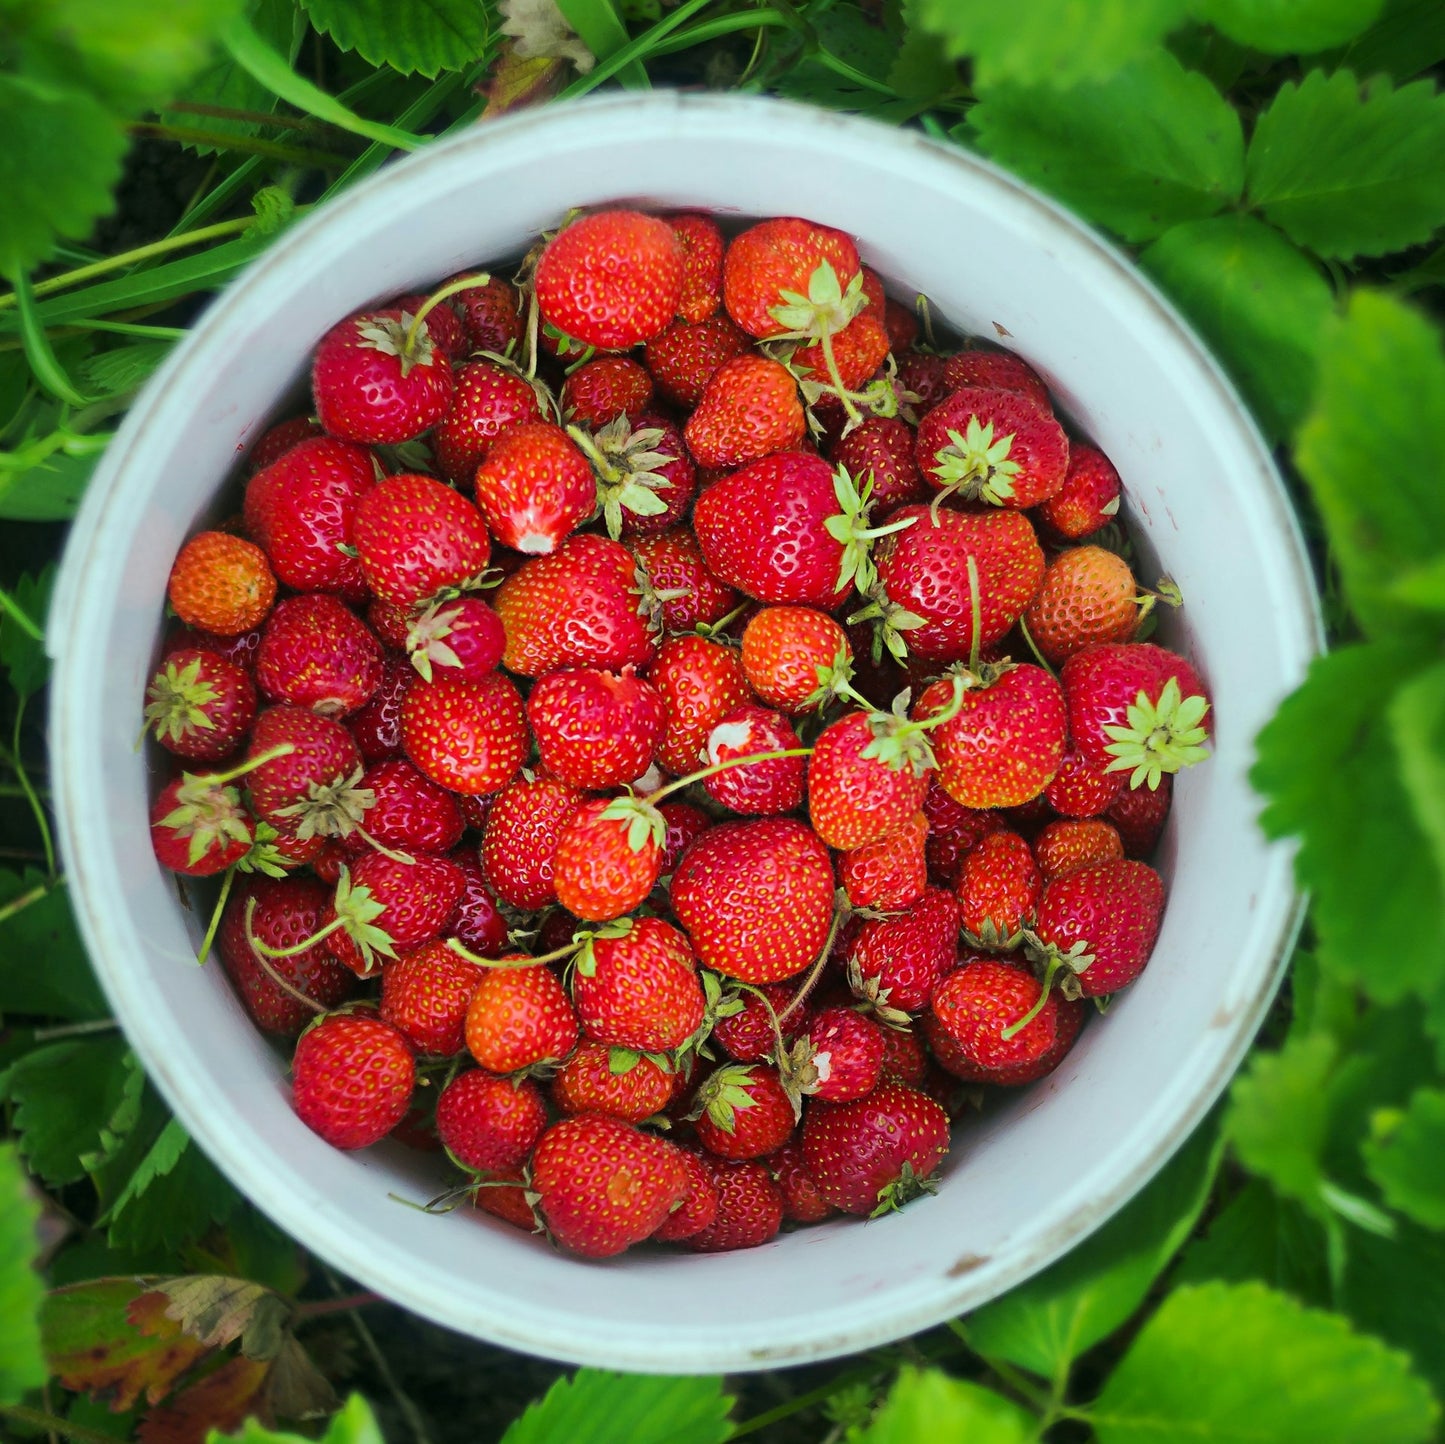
{"x": 1029, "y": 1181}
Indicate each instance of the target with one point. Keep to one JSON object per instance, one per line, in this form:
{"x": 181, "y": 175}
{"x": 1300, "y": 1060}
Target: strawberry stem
{"x": 378, "y": 846}
{"x": 452, "y": 288}
{"x": 260, "y": 951}
{"x": 1039, "y": 657}
{"x": 282, "y": 749}
{"x": 215, "y": 922}
{"x": 841, "y": 391}
{"x": 335, "y": 925}
{"x": 975, "y": 612}
{"x": 676, "y": 786}
{"x": 457, "y": 946}
{"x": 816, "y": 971}
{"x": 1054, "y": 964}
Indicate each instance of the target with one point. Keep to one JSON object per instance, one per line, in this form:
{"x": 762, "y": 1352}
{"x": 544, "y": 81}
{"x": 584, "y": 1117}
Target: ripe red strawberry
{"x": 488, "y": 1123}
{"x": 700, "y": 682}
{"x": 1087, "y": 595}
{"x": 802, "y": 1200}
{"x": 351, "y": 1079}
{"x": 744, "y": 1111}
{"x": 631, "y": 1087}
{"x": 761, "y": 787}
{"x": 385, "y": 905}
{"x": 1081, "y": 790}
{"x": 505, "y": 1195}
{"x": 375, "y": 382}
{"x": 410, "y": 811}
{"x": 312, "y": 790}
{"x": 277, "y": 440}
{"x": 608, "y": 857}
{"x": 467, "y": 736}
{"x": 645, "y": 477}
{"x": 1071, "y": 843}
{"x": 611, "y": 279}
{"x": 596, "y": 729}
{"x": 1137, "y": 708}
{"x": 751, "y": 1034}
{"x": 880, "y": 451}
{"x": 577, "y": 607}
{"x": 778, "y": 255}
{"x": 749, "y": 1208}
{"x": 890, "y": 873}
{"x": 424, "y": 995}
{"x": 683, "y": 358}
{"x": 636, "y": 986}
{"x": 302, "y": 509}
{"x": 698, "y": 1209}
{"x": 478, "y": 923}
{"x": 920, "y": 374}
{"x": 519, "y": 1017}
{"x": 199, "y": 705}
{"x": 1140, "y": 814}
{"x": 604, "y": 1185}
{"x": 491, "y": 314}
{"x": 1000, "y": 370}
{"x": 603, "y": 389}
{"x": 952, "y": 830}
{"x": 221, "y": 583}
{"x": 462, "y": 639}
{"x": 1089, "y": 497}
{"x": 315, "y": 652}
{"x": 702, "y": 262}
{"x": 749, "y": 409}
{"x": 904, "y": 1057}
{"x": 535, "y": 487}
{"x": 868, "y": 776}
{"x": 519, "y": 842}
{"x": 859, "y": 349}
{"x": 976, "y": 1005}
{"x": 1006, "y": 742}
{"x": 447, "y": 332}
{"x": 684, "y": 822}
{"x": 376, "y": 729}
{"x": 200, "y": 827}
{"x": 923, "y": 570}
{"x": 415, "y": 536}
{"x": 902, "y": 325}
{"x": 240, "y": 649}
{"x": 489, "y": 399}
{"x": 687, "y": 593}
{"x": 288, "y": 911}
{"x": 987, "y": 444}
{"x": 756, "y": 898}
{"x": 1099, "y": 923}
{"x": 894, "y": 963}
{"x": 795, "y": 658}
{"x": 876, "y": 1153}
{"x": 998, "y": 888}
{"x": 840, "y": 1057}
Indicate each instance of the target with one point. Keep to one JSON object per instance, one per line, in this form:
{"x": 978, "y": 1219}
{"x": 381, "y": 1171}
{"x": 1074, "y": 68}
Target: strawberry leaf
{"x": 22, "y": 1363}
{"x": 929, "y": 1404}
{"x": 416, "y": 37}
{"x": 1403, "y": 1156}
{"x": 44, "y": 928}
{"x": 354, "y": 1424}
{"x": 1279, "y": 26}
{"x": 596, "y": 1407}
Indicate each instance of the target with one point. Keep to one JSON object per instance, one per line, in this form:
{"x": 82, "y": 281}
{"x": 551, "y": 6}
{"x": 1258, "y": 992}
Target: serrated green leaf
{"x": 1050, "y": 1320}
{"x": 1417, "y": 723}
{"x": 159, "y": 1159}
{"x": 1407, "y": 40}
{"x": 1280, "y": 26}
{"x": 44, "y": 969}
{"x": 44, "y": 200}
{"x": 179, "y": 1207}
{"x": 1406, "y": 1157}
{"x": 1050, "y": 42}
{"x": 1349, "y": 169}
{"x": 919, "y": 70}
{"x": 1396, "y": 1289}
{"x": 1151, "y": 146}
{"x": 1380, "y": 402}
{"x": 1240, "y": 1363}
{"x": 416, "y": 37}
{"x": 22, "y": 1362}
{"x": 929, "y": 1404}
{"x": 354, "y": 1423}
{"x": 1256, "y": 299}
{"x": 1326, "y": 764}
{"x": 24, "y": 659}
{"x": 597, "y": 1407}
{"x": 46, "y": 490}
{"x": 123, "y": 368}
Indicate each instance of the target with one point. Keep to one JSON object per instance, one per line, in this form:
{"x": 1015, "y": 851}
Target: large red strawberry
{"x": 998, "y": 888}
{"x": 535, "y": 487}
{"x": 519, "y": 842}
{"x": 890, "y": 873}
{"x": 489, "y": 399}
{"x": 876, "y": 1153}
{"x": 744, "y": 1111}
{"x": 378, "y": 378}
{"x": 1089, "y": 497}
{"x": 425, "y": 995}
{"x": 199, "y": 705}
{"x": 1098, "y": 924}
{"x": 486, "y": 1122}
{"x": 461, "y": 638}
{"x": 605, "y": 388}
{"x": 409, "y": 810}
{"x": 895, "y": 962}
{"x": 769, "y": 787}
{"x": 700, "y": 682}
{"x": 749, "y": 409}
{"x": 749, "y": 1207}
{"x": 415, "y": 536}
{"x": 702, "y": 262}
{"x": 879, "y": 456}
{"x": 312, "y": 789}
{"x": 756, "y": 898}
{"x": 685, "y": 592}
{"x": 470, "y": 737}
{"x": 598, "y": 1079}
{"x": 352, "y": 1078}
{"x": 611, "y": 279}
{"x": 777, "y": 256}
{"x": 520, "y": 1017}
{"x": 684, "y": 358}
{"x": 635, "y": 985}
{"x": 385, "y": 904}
{"x": 992, "y": 445}
{"x": 596, "y": 729}
{"x": 315, "y": 652}
{"x": 795, "y": 658}
{"x": 1138, "y": 708}
{"x": 608, "y": 857}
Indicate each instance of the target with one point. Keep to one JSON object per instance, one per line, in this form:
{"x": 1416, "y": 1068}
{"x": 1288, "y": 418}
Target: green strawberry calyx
{"x": 718, "y": 1002}
{"x": 1054, "y": 960}
{"x": 401, "y": 336}
{"x": 827, "y": 308}
{"x": 644, "y": 824}
{"x": 871, "y": 993}
{"x": 975, "y": 465}
{"x": 176, "y": 702}
{"x": 628, "y": 468}
{"x": 1161, "y": 736}
{"x": 834, "y": 680}
{"x": 208, "y": 816}
{"x": 724, "y": 1096}
{"x": 331, "y": 809}
{"x": 900, "y": 741}
{"x": 849, "y": 526}
{"x": 426, "y": 642}
{"x": 890, "y": 621}
{"x": 903, "y": 1190}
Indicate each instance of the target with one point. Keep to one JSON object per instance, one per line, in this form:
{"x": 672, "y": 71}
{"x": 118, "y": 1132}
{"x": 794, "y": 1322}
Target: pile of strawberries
{"x": 669, "y": 733}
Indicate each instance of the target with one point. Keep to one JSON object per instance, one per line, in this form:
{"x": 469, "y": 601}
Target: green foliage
{"x": 1280, "y": 26}
{"x": 43, "y": 967}
{"x": 411, "y": 36}
{"x": 22, "y": 1364}
{"x": 594, "y": 1407}
{"x": 927, "y": 1404}
{"x": 1404, "y": 1156}
{"x": 353, "y": 1423}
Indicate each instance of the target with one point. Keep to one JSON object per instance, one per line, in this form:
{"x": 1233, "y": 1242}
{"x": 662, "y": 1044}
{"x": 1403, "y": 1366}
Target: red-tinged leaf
{"x": 217, "y": 1311}
{"x": 515, "y": 83}
{"x": 221, "y": 1400}
{"x": 111, "y": 1339}
{"x": 295, "y": 1387}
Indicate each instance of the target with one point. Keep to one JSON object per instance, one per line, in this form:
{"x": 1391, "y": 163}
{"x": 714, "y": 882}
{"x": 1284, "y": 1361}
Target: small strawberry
{"x": 700, "y": 682}
{"x": 605, "y": 388}
{"x": 577, "y": 607}
{"x": 684, "y": 358}
{"x": 795, "y": 658}
{"x": 596, "y": 729}
{"x": 751, "y": 1034}
{"x": 902, "y": 325}
{"x": 1000, "y": 447}
{"x": 635, "y": 985}
{"x": 891, "y": 873}
{"x": 1140, "y": 814}
{"x": 600, "y": 1079}
{"x": 952, "y": 830}
{"x": 744, "y": 1111}
{"x": 643, "y": 474}
{"x": 478, "y": 923}
{"x": 1079, "y": 789}
{"x": 611, "y": 279}
{"x": 920, "y": 374}
{"x": 240, "y": 649}
{"x": 895, "y": 962}
{"x": 1089, "y": 497}
{"x": 488, "y": 1123}
{"x": 462, "y": 639}
{"x": 535, "y": 487}
{"x": 505, "y": 1195}
{"x": 777, "y": 256}
{"x": 749, "y": 409}
{"x": 687, "y": 594}
{"x": 376, "y": 729}
{"x": 384, "y": 904}
{"x": 519, "y": 842}
{"x": 489, "y": 399}
{"x": 1098, "y": 924}
{"x": 803, "y": 1202}
{"x": 415, "y": 536}
{"x": 840, "y": 1057}
{"x": 467, "y": 736}
{"x": 998, "y": 888}
{"x": 351, "y": 1079}
{"x": 1087, "y": 595}
{"x": 702, "y": 263}
{"x": 277, "y": 440}
{"x": 604, "y": 1185}
{"x": 221, "y": 583}
{"x": 759, "y": 788}
{"x": 1070, "y": 843}
{"x": 749, "y": 1208}
{"x": 445, "y": 327}
{"x": 877, "y": 1153}
{"x": 424, "y": 995}
{"x": 199, "y": 705}
{"x": 756, "y": 898}
{"x": 313, "y": 789}
{"x": 858, "y": 350}
{"x": 380, "y": 379}
{"x": 520, "y": 1017}
{"x": 698, "y": 1209}
{"x": 904, "y": 1058}
{"x": 684, "y": 822}
{"x": 409, "y": 810}
{"x": 315, "y": 652}
{"x": 608, "y": 857}
{"x": 973, "y": 1024}
{"x": 879, "y": 454}
{"x": 1000, "y": 370}
{"x": 199, "y": 827}
{"x": 1138, "y": 708}
{"x": 491, "y": 314}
